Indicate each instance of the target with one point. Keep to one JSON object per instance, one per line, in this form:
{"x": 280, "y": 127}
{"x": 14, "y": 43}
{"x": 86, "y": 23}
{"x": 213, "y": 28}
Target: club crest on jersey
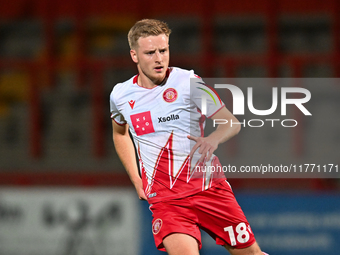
{"x": 170, "y": 95}
{"x": 156, "y": 226}
{"x": 132, "y": 103}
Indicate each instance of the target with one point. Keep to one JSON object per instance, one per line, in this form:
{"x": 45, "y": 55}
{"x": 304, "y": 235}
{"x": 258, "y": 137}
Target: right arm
{"x": 126, "y": 152}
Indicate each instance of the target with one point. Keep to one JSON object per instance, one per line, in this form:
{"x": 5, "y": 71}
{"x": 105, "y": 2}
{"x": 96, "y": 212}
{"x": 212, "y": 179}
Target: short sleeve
{"x": 115, "y": 114}
{"x": 204, "y": 96}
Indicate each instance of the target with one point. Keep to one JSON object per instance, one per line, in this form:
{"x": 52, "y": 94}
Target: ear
{"x": 134, "y": 57}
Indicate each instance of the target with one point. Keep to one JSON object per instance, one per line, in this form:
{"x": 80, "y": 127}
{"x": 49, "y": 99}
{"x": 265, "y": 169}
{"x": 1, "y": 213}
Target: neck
{"x": 146, "y": 82}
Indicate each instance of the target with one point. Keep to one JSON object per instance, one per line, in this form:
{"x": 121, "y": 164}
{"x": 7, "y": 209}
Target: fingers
{"x": 141, "y": 194}
{"x": 143, "y": 197}
{"x": 209, "y": 155}
{"x": 194, "y": 138}
{"x": 203, "y": 151}
{"x": 205, "y": 148}
{"x": 194, "y": 149}
{"x": 206, "y": 154}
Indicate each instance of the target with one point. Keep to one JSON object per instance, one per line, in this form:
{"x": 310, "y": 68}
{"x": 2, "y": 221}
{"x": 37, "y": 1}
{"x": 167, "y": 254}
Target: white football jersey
{"x": 160, "y": 119}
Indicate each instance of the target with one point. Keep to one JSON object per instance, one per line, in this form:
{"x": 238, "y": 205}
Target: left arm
{"x": 207, "y": 145}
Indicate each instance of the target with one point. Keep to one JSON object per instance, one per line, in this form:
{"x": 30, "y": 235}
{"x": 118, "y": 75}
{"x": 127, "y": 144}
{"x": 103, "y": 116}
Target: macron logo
{"x": 132, "y": 103}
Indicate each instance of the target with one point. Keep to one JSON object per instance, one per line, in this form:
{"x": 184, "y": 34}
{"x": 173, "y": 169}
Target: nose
{"x": 158, "y": 56}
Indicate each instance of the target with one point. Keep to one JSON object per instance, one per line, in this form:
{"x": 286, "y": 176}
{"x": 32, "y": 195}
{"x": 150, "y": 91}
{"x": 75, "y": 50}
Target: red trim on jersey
{"x": 215, "y": 112}
{"x": 119, "y": 123}
{"x": 135, "y": 79}
{"x": 146, "y": 186}
{"x": 165, "y": 162}
{"x": 185, "y": 165}
{"x": 214, "y": 162}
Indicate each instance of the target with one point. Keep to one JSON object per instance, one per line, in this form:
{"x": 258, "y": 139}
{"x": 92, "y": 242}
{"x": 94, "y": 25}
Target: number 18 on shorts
{"x": 241, "y": 235}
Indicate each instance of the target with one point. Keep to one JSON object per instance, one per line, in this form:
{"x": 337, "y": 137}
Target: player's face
{"x": 152, "y": 57}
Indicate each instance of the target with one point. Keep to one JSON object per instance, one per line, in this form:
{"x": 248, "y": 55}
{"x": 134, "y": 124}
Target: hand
{"x": 207, "y": 147}
{"x": 140, "y": 190}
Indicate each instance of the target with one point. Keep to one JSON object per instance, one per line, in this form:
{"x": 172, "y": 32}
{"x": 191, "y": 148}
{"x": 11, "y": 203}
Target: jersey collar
{"x": 135, "y": 79}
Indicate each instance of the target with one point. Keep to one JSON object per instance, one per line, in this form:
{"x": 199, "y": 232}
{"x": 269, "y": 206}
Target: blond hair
{"x": 147, "y": 27}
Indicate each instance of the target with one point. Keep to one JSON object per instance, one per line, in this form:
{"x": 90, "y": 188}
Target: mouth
{"x": 159, "y": 69}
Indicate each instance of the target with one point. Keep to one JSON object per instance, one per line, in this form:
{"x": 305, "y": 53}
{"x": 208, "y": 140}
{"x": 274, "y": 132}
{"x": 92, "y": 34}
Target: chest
{"x": 156, "y": 110}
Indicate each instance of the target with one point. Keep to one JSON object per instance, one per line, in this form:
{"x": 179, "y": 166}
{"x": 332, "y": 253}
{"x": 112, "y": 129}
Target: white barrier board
{"x": 69, "y": 221}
